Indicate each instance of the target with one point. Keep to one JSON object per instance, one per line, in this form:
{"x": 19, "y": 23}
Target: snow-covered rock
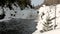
{"x": 27, "y": 13}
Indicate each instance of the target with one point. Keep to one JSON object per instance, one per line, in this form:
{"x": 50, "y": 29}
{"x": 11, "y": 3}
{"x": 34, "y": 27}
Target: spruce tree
{"x": 47, "y": 25}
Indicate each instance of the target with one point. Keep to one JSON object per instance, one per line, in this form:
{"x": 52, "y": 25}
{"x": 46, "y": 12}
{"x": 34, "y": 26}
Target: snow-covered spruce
{"x": 43, "y": 14}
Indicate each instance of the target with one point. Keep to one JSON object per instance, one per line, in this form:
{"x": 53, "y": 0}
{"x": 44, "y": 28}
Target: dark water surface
{"x": 18, "y": 26}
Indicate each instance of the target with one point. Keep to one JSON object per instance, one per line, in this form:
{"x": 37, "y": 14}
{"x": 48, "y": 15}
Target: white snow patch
{"x": 57, "y": 31}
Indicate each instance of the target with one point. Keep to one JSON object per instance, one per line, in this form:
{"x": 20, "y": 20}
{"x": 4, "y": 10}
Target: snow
{"x": 51, "y": 10}
{"x": 57, "y": 31}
